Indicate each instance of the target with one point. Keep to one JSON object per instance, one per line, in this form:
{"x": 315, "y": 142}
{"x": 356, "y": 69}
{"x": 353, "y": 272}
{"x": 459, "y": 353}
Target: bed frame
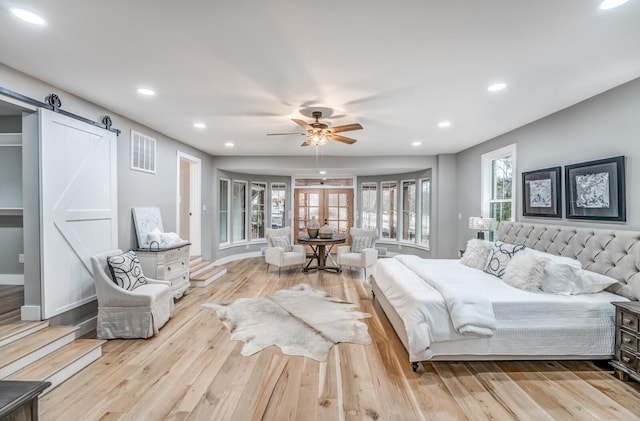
{"x": 613, "y": 253}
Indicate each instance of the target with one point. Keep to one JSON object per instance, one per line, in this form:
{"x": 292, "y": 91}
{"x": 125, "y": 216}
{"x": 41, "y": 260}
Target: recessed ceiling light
{"x": 146, "y": 91}
{"x": 322, "y": 172}
{"x": 497, "y": 87}
{"x": 199, "y": 125}
{"x": 228, "y": 144}
{"x": 444, "y": 124}
{"x": 610, "y": 4}
{"x": 416, "y": 143}
{"x": 28, "y": 16}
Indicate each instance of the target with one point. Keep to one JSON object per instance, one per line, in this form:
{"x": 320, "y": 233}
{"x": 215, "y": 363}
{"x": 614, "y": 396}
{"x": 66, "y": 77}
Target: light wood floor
{"x": 193, "y": 371}
{"x": 11, "y": 299}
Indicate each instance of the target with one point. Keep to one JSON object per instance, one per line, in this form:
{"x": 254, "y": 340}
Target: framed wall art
{"x": 596, "y": 190}
{"x": 541, "y": 193}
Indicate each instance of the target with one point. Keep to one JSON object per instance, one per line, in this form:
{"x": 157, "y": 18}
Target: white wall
{"x": 603, "y": 126}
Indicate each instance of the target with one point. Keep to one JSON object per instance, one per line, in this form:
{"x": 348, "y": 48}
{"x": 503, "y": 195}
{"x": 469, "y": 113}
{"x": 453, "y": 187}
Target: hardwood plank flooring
{"x": 193, "y": 371}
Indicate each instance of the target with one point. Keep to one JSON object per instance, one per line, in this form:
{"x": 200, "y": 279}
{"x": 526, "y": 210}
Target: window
{"x": 389, "y": 212}
{"x": 425, "y": 211}
{"x": 239, "y": 213}
{"x": 369, "y": 205}
{"x": 258, "y": 193}
{"x": 278, "y": 202}
{"x": 224, "y": 211}
{"x": 498, "y": 188}
{"x": 409, "y": 210}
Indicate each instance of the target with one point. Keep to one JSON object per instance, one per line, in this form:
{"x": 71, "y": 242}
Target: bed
{"x": 430, "y": 320}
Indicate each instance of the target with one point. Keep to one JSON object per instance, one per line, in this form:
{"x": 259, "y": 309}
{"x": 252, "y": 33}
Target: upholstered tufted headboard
{"x": 610, "y": 252}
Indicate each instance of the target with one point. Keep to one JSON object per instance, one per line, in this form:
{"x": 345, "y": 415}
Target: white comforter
{"x": 427, "y": 321}
{"x": 470, "y": 310}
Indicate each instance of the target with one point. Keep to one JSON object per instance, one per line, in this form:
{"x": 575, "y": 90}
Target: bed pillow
{"x": 499, "y": 257}
{"x": 360, "y": 243}
{"x": 525, "y": 271}
{"x": 282, "y": 242}
{"x": 559, "y": 278}
{"x": 476, "y": 253}
{"x": 555, "y": 259}
{"x": 126, "y": 270}
{"x": 591, "y": 282}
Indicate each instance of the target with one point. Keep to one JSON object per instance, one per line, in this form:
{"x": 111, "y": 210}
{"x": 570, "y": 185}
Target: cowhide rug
{"x": 301, "y": 321}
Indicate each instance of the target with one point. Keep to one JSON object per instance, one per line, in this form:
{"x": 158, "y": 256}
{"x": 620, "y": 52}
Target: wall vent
{"x": 143, "y": 153}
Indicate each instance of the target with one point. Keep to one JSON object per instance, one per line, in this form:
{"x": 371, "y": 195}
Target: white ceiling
{"x": 246, "y": 67}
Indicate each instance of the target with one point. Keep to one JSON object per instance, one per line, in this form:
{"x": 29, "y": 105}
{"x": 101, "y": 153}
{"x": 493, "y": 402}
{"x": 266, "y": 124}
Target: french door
{"x": 335, "y": 206}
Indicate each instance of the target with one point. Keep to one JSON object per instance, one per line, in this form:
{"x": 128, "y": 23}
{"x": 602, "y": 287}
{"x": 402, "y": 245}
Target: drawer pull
{"x": 169, "y": 268}
{"x": 626, "y": 321}
{"x": 182, "y": 263}
{"x": 626, "y": 340}
{"x": 626, "y": 359}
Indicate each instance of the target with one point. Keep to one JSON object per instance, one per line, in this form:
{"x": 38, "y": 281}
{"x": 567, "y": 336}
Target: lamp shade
{"x": 482, "y": 224}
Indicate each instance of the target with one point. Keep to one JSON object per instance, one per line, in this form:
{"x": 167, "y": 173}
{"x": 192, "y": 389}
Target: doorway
{"x": 333, "y": 206}
{"x": 188, "y": 216}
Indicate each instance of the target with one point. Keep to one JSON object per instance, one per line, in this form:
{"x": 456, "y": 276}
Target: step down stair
{"x": 204, "y": 272}
{"x": 37, "y": 351}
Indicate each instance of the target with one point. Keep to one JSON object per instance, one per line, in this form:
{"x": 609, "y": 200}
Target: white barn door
{"x": 78, "y": 207}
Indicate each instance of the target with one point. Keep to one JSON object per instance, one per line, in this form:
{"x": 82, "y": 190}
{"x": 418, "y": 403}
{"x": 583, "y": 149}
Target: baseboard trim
{"x": 31, "y": 313}
{"x": 233, "y": 258}
{"x": 86, "y": 326}
{"x": 9, "y": 279}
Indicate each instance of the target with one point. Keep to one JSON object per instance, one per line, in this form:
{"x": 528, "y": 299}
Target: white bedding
{"x": 527, "y": 323}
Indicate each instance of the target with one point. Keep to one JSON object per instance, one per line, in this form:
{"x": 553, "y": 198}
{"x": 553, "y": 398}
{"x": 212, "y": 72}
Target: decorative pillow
{"x": 476, "y": 253}
{"x": 282, "y": 242}
{"x": 154, "y": 235}
{"x": 499, "y": 257}
{"x": 126, "y": 271}
{"x": 525, "y": 271}
{"x": 169, "y": 238}
{"x": 623, "y": 289}
{"x": 360, "y": 243}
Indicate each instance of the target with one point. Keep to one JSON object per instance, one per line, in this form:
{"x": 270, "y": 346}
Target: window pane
{"x": 369, "y": 205}
{"x": 501, "y": 211}
{"x": 224, "y": 211}
{"x": 258, "y": 191}
{"x": 278, "y": 201}
{"x": 425, "y": 209}
{"x": 239, "y": 205}
{"x": 501, "y": 178}
{"x": 343, "y": 199}
{"x": 409, "y": 210}
{"x": 389, "y": 211}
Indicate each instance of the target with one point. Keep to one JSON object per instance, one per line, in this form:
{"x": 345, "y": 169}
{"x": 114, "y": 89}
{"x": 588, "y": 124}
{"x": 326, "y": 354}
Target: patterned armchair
{"x": 362, "y": 252}
{"x": 280, "y": 252}
{"x": 122, "y": 313}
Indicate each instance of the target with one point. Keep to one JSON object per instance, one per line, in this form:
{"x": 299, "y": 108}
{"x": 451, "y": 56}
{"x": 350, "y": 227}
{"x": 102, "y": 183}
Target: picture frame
{"x": 595, "y": 190}
{"x": 541, "y": 193}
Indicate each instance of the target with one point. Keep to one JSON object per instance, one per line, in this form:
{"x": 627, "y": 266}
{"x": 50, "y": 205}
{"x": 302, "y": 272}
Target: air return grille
{"x": 143, "y": 152}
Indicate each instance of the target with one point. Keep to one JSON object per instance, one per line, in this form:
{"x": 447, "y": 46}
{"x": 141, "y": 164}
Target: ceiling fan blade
{"x": 305, "y": 143}
{"x": 285, "y": 134}
{"x": 302, "y": 123}
{"x": 342, "y": 139}
{"x": 346, "y": 128}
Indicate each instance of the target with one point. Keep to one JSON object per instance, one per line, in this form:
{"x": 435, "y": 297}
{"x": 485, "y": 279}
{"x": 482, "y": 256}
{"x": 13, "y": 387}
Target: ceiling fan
{"x": 320, "y": 133}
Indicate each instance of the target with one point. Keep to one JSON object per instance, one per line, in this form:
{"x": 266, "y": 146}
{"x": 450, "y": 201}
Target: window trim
{"x": 486, "y": 177}
{"x": 401, "y": 211}
{"x": 265, "y": 196}
{"x": 421, "y": 213}
{"x": 247, "y": 200}
{"x": 228, "y": 221}
{"x": 286, "y": 200}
